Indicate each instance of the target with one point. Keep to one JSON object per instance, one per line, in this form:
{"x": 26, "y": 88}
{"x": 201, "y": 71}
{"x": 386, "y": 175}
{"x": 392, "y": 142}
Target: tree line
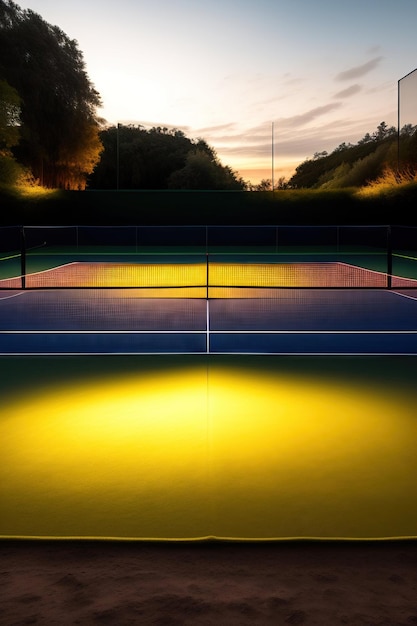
{"x": 159, "y": 158}
{"x": 383, "y": 153}
{"x": 356, "y": 165}
{"x": 50, "y": 133}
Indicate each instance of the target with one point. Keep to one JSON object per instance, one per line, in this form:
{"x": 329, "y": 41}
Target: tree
{"x": 59, "y": 126}
{"x": 342, "y": 147}
{"x": 356, "y": 165}
{"x": 159, "y": 158}
{"x": 9, "y": 116}
{"x": 10, "y": 171}
{"x": 203, "y": 170}
{"x": 365, "y": 139}
{"x": 383, "y": 131}
{"x": 282, "y": 183}
{"x": 264, "y": 185}
{"x": 408, "y": 130}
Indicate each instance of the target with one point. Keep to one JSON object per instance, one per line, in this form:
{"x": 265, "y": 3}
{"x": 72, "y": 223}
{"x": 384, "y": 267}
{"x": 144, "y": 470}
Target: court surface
{"x": 284, "y": 321}
{"x": 242, "y": 399}
{"x": 185, "y": 447}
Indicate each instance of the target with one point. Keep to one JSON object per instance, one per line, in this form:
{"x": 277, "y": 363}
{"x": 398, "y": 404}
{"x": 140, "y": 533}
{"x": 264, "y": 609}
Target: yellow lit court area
{"x": 186, "y": 447}
{"x": 203, "y": 278}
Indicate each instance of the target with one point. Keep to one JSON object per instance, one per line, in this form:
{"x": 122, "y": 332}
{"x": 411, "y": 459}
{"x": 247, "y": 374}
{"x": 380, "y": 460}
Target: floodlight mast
{"x": 272, "y": 157}
{"x": 117, "y": 156}
{"x": 398, "y": 128}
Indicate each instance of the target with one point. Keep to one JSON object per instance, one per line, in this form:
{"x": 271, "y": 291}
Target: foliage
{"x": 159, "y": 158}
{"x": 266, "y": 185}
{"x": 358, "y": 165}
{"x": 9, "y": 117}
{"x": 389, "y": 180}
{"x": 10, "y": 171}
{"x": 59, "y": 132}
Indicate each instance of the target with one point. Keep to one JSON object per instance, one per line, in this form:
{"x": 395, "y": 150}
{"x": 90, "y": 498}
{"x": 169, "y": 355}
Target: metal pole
{"x": 207, "y": 276}
{"x": 117, "y": 156}
{"x": 398, "y": 129}
{"x": 272, "y": 156}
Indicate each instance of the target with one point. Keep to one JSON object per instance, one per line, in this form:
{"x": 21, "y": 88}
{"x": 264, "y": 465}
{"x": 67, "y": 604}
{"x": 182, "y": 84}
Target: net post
{"x": 207, "y": 276}
{"x": 389, "y": 258}
{"x": 23, "y": 257}
{"x": 207, "y": 305}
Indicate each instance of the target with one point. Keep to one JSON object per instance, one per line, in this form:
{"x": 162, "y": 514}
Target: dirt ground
{"x": 221, "y": 584}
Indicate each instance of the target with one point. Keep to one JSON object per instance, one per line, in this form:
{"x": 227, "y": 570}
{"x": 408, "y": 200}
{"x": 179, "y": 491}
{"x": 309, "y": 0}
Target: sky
{"x": 267, "y": 83}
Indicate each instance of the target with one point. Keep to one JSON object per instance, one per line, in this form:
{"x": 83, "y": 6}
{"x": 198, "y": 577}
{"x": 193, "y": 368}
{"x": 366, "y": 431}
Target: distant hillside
{"x": 357, "y": 165}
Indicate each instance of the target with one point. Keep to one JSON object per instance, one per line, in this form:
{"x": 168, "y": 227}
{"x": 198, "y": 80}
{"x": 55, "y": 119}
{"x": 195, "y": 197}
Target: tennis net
{"x": 207, "y": 261}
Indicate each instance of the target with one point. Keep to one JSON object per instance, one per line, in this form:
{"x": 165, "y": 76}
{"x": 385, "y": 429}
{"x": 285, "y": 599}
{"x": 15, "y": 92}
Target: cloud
{"x": 359, "y": 70}
{"x": 214, "y": 129}
{"x": 312, "y": 114}
{"x": 374, "y": 49}
{"x": 347, "y": 93}
{"x": 254, "y": 144}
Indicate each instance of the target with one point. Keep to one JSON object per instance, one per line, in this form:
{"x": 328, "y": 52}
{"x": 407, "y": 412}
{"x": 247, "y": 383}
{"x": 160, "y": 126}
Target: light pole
{"x": 117, "y": 156}
{"x": 272, "y": 157}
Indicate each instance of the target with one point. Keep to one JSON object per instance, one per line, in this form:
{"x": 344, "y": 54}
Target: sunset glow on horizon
{"x": 323, "y": 73}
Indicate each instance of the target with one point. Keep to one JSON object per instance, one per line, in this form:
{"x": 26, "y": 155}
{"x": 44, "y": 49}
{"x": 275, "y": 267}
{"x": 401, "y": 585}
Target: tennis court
{"x": 185, "y": 382}
{"x": 279, "y": 290}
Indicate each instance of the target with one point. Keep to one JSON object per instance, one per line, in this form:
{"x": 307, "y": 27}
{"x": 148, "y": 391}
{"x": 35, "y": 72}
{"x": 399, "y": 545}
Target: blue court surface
{"x": 284, "y": 321}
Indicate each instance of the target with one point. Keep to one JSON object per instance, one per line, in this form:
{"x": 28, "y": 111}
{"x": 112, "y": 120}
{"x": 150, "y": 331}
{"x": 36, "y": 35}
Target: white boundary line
{"x": 203, "y": 331}
{"x": 211, "y": 353}
{"x": 373, "y": 354}
{"x": 208, "y": 326}
{"x": 403, "y": 295}
{"x": 313, "y": 332}
{"x": 52, "y": 269}
{"x": 21, "y": 293}
{"x": 357, "y": 267}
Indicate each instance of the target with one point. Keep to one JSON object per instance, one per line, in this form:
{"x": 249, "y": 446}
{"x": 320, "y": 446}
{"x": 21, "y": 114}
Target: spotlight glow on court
{"x": 209, "y": 451}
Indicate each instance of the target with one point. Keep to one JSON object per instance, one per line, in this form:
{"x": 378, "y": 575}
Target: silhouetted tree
{"x": 9, "y": 116}
{"x": 10, "y": 171}
{"x": 59, "y": 127}
{"x": 282, "y": 183}
{"x": 159, "y": 158}
{"x": 365, "y": 139}
{"x": 264, "y": 185}
{"x": 383, "y": 131}
{"x": 343, "y": 146}
{"x": 408, "y": 130}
